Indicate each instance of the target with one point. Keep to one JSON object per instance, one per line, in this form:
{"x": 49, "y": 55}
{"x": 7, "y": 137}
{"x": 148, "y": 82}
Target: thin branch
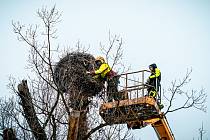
{"x": 95, "y": 129}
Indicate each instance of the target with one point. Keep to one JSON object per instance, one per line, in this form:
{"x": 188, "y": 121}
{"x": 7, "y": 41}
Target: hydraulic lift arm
{"x": 163, "y": 130}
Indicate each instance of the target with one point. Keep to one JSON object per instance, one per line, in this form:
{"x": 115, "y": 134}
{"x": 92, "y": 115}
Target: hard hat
{"x": 100, "y": 58}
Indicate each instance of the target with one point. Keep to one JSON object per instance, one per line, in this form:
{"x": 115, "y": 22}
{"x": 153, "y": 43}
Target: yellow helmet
{"x": 100, "y": 58}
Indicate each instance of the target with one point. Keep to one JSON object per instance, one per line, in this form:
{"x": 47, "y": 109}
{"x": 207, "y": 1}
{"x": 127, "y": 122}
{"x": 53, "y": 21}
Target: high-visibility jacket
{"x": 103, "y": 70}
{"x": 156, "y": 74}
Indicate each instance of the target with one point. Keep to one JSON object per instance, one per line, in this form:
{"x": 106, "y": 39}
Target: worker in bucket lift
{"x": 154, "y": 80}
{"x": 105, "y": 73}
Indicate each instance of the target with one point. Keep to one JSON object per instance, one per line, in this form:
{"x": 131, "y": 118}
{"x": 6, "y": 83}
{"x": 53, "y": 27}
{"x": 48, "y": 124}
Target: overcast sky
{"x": 173, "y": 34}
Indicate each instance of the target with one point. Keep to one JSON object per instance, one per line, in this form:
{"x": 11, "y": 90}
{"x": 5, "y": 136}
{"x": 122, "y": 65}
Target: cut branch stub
{"x": 29, "y": 111}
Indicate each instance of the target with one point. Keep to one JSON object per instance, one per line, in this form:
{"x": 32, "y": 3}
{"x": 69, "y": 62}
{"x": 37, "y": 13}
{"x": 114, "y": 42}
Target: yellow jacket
{"x": 103, "y": 70}
{"x": 156, "y": 74}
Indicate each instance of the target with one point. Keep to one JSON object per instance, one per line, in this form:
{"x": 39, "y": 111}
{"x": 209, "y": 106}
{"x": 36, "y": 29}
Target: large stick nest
{"x": 70, "y": 75}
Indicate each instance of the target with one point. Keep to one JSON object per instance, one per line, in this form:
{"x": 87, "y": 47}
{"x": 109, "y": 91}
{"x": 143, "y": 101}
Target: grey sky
{"x": 174, "y": 34}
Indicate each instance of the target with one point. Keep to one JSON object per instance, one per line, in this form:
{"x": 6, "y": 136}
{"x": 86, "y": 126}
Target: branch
{"x": 118, "y": 54}
{"x": 176, "y": 88}
{"x": 196, "y": 99}
{"x": 51, "y": 112}
{"x": 53, "y": 137}
{"x": 115, "y": 43}
{"x": 18, "y": 30}
{"x": 95, "y": 129}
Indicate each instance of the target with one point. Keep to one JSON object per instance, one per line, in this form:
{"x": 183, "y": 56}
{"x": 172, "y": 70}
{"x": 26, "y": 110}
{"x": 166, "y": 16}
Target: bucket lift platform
{"x": 129, "y": 110}
{"x": 136, "y": 108}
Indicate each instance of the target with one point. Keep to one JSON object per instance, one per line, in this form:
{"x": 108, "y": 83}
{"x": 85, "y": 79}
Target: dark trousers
{"x": 112, "y": 89}
{"x": 155, "y": 83}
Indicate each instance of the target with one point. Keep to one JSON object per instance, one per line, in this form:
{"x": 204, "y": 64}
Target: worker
{"x": 154, "y": 80}
{"x": 105, "y": 73}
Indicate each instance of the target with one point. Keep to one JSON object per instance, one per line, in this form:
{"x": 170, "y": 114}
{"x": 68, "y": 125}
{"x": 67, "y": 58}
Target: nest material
{"x": 70, "y": 74}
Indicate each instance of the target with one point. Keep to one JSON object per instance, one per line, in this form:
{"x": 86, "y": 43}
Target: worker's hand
{"x": 148, "y": 80}
{"x": 90, "y": 72}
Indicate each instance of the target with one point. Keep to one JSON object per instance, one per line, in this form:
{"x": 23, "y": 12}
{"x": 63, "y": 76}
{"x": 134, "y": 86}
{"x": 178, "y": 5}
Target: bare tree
{"x": 40, "y": 61}
{"x": 195, "y": 99}
{"x": 9, "y": 117}
{"x": 49, "y": 98}
{"x": 6, "y": 120}
{"x": 6, "y": 107}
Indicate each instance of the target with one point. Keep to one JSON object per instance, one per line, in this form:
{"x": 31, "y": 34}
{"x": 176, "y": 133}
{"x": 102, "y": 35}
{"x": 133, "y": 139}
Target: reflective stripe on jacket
{"x": 103, "y": 70}
{"x": 156, "y": 74}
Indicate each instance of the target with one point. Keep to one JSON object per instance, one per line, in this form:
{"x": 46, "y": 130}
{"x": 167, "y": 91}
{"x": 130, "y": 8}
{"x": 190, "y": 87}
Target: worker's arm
{"x": 157, "y": 73}
{"x": 102, "y": 68}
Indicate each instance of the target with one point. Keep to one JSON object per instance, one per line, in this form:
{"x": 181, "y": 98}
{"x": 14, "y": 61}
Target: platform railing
{"x": 134, "y": 83}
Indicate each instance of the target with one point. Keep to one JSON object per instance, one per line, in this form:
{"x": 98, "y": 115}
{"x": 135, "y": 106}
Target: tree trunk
{"x": 73, "y": 125}
{"x": 83, "y": 127}
{"x": 78, "y": 126}
{"x": 29, "y": 111}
